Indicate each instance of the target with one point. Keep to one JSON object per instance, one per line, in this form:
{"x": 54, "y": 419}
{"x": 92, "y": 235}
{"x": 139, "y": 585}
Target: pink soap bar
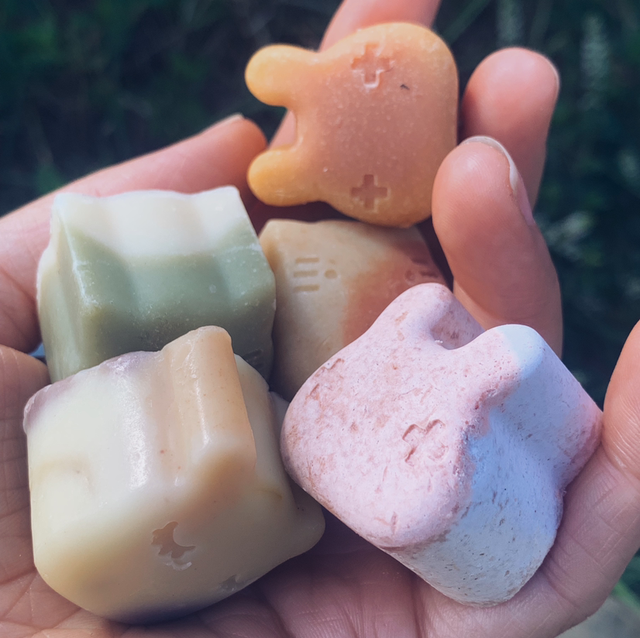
{"x": 445, "y": 446}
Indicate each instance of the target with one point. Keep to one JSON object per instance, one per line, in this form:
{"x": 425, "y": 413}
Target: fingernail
{"x": 515, "y": 179}
{"x": 556, "y": 73}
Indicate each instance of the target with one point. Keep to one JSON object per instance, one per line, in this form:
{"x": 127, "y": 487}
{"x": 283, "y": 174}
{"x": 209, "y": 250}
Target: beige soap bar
{"x": 333, "y": 279}
{"x": 376, "y": 114}
{"x": 156, "y": 482}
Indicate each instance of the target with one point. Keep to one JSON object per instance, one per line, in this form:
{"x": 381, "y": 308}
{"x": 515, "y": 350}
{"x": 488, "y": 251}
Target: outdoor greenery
{"x": 88, "y": 83}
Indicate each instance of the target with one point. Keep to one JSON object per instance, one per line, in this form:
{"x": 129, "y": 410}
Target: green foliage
{"x": 88, "y": 83}
{"x": 591, "y": 193}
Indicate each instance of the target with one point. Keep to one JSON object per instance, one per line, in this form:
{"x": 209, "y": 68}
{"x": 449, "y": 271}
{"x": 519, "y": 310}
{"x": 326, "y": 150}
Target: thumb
{"x": 501, "y": 267}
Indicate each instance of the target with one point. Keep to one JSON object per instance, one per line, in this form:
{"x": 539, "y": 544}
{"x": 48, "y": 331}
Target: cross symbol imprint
{"x": 368, "y": 192}
{"x": 371, "y": 65}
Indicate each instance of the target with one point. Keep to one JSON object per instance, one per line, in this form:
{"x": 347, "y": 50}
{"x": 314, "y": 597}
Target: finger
{"x": 20, "y": 377}
{"x": 598, "y": 536}
{"x": 600, "y": 531}
{"x": 358, "y": 14}
{"x": 501, "y": 267}
{"x": 218, "y": 156}
{"x": 511, "y": 97}
{"x": 621, "y": 436}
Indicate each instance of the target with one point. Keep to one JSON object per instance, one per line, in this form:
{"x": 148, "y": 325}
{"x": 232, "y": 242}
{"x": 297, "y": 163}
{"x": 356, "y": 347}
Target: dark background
{"x": 84, "y": 84}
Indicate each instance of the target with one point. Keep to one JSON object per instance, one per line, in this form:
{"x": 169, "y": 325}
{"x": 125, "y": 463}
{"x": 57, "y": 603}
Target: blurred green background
{"x": 86, "y": 83}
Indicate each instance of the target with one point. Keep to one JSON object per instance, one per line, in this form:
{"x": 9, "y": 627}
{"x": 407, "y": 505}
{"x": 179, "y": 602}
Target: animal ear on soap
{"x": 433, "y": 315}
{"x": 275, "y": 176}
{"x": 273, "y": 72}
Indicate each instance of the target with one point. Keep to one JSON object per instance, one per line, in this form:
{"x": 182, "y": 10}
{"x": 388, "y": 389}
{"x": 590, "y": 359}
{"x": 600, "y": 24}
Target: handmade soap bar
{"x": 156, "y": 482}
{"x": 135, "y": 271}
{"x": 333, "y": 279}
{"x": 376, "y": 114}
{"x": 445, "y": 446}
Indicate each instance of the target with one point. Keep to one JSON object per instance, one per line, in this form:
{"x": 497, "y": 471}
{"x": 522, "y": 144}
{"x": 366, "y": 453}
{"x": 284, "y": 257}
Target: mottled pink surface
{"x": 446, "y": 446}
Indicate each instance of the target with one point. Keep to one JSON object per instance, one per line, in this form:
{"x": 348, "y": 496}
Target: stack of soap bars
{"x": 155, "y": 458}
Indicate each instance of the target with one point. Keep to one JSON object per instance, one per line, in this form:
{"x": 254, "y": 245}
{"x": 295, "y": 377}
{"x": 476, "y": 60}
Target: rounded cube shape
{"x": 445, "y": 446}
{"x": 137, "y": 270}
{"x": 156, "y": 482}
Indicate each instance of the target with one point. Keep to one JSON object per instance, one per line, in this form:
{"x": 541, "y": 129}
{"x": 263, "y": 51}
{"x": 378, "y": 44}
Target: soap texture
{"x": 448, "y": 447}
{"x": 333, "y": 279}
{"x": 137, "y": 270}
{"x": 156, "y": 482}
{"x": 375, "y": 114}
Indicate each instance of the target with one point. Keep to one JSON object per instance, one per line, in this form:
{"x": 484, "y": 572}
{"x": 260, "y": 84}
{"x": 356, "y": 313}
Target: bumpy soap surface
{"x": 376, "y": 114}
{"x": 135, "y": 271}
{"x": 333, "y": 279}
{"x": 156, "y": 482}
{"x": 445, "y": 446}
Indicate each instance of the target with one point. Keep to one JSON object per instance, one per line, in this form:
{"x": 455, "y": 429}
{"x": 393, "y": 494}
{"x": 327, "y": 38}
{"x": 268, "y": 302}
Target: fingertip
{"x": 358, "y": 14}
{"x": 496, "y": 89}
{"x": 511, "y": 97}
{"x": 518, "y": 187}
{"x": 476, "y": 177}
{"x": 226, "y": 150}
{"x": 513, "y": 63}
{"x": 621, "y": 434}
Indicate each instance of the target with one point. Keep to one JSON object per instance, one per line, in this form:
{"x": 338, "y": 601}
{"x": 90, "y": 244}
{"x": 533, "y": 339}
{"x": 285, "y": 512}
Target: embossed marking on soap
{"x": 369, "y": 192}
{"x": 304, "y": 265}
{"x": 169, "y": 551}
{"x": 371, "y": 65}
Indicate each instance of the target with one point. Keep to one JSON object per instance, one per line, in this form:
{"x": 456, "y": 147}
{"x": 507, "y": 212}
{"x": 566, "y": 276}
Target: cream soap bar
{"x": 333, "y": 279}
{"x": 156, "y": 482}
{"x": 135, "y": 271}
{"x": 448, "y": 447}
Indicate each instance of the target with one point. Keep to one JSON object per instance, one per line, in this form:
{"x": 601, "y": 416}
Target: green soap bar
{"x": 138, "y": 270}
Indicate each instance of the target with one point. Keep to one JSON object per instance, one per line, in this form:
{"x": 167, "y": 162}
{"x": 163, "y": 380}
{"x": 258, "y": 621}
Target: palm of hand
{"x": 502, "y": 274}
{"x": 342, "y": 587}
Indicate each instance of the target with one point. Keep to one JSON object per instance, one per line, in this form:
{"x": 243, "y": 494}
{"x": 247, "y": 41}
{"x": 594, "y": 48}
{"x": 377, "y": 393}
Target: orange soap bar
{"x": 333, "y": 279}
{"x": 376, "y": 114}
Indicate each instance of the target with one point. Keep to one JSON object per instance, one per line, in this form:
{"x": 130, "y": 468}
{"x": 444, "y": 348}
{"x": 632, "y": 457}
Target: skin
{"x": 502, "y": 273}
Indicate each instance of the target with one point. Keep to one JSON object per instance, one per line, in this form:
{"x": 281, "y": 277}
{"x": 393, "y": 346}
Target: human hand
{"x": 502, "y": 273}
